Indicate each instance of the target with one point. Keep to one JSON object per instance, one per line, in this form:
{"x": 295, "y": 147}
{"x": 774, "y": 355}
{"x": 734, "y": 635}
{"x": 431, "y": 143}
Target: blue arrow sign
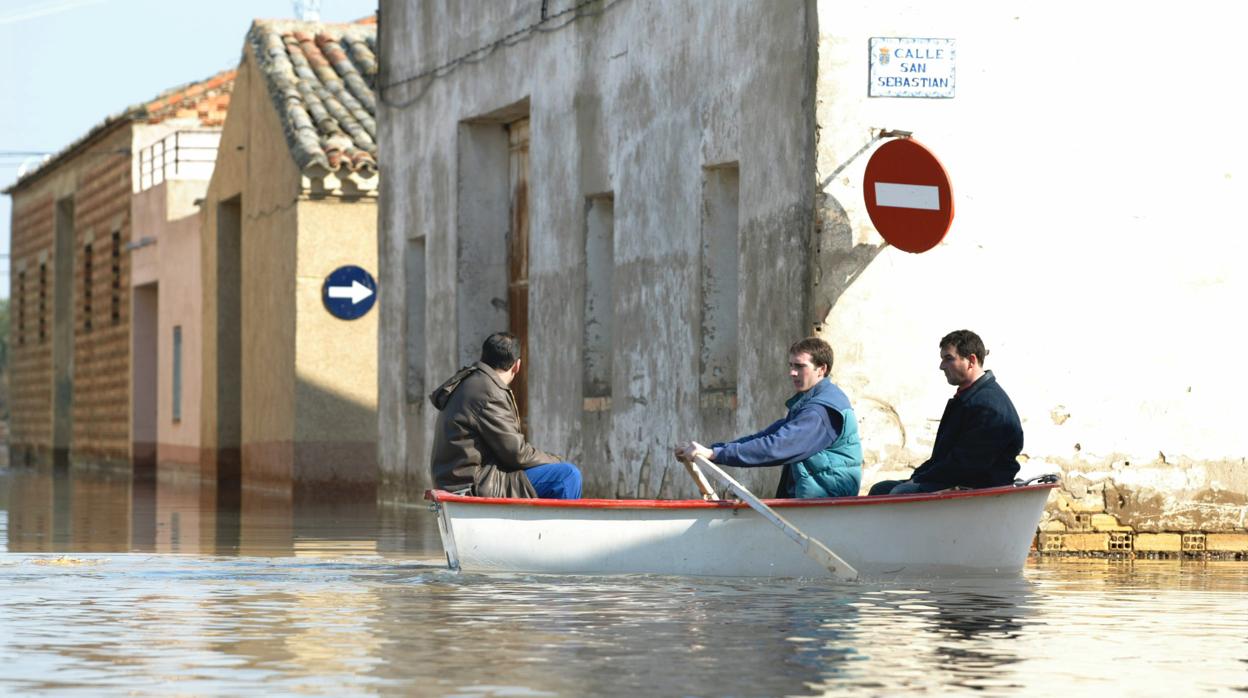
{"x": 349, "y": 293}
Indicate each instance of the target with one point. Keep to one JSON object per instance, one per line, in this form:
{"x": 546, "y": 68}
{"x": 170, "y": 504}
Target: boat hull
{"x": 974, "y": 531}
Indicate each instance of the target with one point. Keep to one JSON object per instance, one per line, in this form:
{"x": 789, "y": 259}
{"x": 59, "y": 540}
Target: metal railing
{"x": 186, "y": 154}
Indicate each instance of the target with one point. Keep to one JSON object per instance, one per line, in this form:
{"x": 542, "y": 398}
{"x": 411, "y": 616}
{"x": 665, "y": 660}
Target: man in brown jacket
{"x": 478, "y": 447}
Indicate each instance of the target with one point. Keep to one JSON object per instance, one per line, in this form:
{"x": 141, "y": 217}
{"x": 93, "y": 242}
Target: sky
{"x": 70, "y": 64}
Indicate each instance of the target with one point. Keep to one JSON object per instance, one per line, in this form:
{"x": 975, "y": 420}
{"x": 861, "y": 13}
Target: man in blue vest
{"x": 980, "y": 435}
{"x": 816, "y": 442}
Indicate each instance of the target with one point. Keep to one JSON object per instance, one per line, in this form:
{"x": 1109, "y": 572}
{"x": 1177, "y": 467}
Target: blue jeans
{"x": 904, "y": 487}
{"x": 555, "y": 480}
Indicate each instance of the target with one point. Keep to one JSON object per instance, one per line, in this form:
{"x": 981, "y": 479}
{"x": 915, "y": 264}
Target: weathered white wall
{"x": 1096, "y": 189}
{"x": 634, "y": 102}
{"x": 1098, "y": 185}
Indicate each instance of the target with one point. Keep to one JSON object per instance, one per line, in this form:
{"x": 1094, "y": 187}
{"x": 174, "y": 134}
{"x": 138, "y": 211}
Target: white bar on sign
{"x": 907, "y": 196}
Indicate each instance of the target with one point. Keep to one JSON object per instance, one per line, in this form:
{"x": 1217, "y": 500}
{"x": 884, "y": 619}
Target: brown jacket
{"x": 477, "y": 440}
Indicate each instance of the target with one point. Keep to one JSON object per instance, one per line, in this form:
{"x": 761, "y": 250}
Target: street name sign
{"x": 908, "y": 195}
{"x": 903, "y": 67}
{"x": 349, "y": 292}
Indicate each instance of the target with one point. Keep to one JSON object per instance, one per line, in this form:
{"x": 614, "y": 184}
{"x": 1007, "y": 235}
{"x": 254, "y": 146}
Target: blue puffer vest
{"x": 836, "y": 471}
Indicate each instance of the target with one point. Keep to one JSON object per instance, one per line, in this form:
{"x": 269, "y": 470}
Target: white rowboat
{"x": 953, "y": 532}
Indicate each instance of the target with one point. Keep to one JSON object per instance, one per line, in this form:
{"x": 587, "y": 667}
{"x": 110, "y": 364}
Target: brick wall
{"x": 102, "y": 349}
{"x": 98, "y": 181}
{"x": 30, "y": 368}
{"x": 1085, "y": 532}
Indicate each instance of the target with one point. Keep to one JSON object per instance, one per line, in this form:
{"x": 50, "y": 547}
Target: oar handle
{"x": 699, "y": 479}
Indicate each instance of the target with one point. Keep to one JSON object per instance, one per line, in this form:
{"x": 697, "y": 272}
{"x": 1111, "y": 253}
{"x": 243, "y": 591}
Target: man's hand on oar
{"x": 691, "y": 450}
{"x": 688, "y": 453}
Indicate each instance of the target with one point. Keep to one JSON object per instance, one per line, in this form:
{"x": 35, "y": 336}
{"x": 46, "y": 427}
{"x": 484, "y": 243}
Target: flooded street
{"x": 117, "y": 588}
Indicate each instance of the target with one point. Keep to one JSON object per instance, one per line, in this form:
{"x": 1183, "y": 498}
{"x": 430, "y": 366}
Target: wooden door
{"x": 518, "y": 259}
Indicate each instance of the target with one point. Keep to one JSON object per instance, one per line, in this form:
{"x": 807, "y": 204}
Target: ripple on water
{"x": 375, "y": 611}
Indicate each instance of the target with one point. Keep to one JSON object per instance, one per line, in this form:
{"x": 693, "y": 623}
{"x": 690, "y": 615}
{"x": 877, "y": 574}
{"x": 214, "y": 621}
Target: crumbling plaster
{"x": 1089, "y": 248}
{"x": 1097, "y": 269}
{"x": 622, "y": 102}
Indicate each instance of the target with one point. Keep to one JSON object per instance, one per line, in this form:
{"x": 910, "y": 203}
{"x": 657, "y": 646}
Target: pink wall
{"x": 167, "y": 214}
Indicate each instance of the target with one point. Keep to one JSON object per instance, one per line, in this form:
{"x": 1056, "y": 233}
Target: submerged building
{"x": 659, "y": 197}
{"x": 289, "y": 390}
{"x": 105, "y": 295}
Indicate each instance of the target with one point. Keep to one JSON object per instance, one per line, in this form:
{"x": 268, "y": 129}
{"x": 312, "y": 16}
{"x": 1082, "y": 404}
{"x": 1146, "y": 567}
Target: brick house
{"x": 73, "y": 232}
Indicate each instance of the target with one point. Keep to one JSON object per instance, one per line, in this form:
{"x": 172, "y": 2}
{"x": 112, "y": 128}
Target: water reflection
{"x": 635, "y": 636}
{"x": 100, "y": 512}
{"x": 266, "y": 594}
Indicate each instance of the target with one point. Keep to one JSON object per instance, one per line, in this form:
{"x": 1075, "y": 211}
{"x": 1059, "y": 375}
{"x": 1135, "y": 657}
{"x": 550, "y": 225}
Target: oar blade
{"x": 813, "y": 548}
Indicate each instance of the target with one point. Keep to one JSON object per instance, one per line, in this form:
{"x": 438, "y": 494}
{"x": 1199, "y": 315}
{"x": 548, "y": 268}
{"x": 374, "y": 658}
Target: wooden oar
{"x": 699, "y": 479}
{"x": 814, "y": 549}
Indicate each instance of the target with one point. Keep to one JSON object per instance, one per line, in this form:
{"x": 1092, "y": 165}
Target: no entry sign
{"x": 908, "y": 195}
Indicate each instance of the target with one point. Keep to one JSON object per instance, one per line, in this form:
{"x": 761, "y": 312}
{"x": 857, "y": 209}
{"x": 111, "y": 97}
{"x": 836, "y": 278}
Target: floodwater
{"x": 111, "y": 587}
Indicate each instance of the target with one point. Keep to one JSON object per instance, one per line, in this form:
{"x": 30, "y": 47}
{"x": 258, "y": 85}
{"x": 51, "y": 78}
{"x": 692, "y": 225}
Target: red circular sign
{"x": 908, "y": 195}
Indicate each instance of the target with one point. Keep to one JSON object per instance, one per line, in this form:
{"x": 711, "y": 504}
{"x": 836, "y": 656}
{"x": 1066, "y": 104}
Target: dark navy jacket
{"x": 979, "y": 438}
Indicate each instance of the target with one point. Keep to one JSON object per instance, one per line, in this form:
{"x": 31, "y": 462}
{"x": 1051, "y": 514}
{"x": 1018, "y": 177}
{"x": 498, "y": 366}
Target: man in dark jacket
{"x": 816, "y": 442}
{"x": 980, "y": 434}
{"x": 478, "y": 447}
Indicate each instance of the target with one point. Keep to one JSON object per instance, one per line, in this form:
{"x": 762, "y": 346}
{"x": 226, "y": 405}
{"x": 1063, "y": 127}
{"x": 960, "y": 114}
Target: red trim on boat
{"x": 444, "y": 496}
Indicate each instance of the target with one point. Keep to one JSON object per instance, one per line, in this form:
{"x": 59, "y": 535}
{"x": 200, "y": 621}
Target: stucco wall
{"x": 307, "y": 403}
{"x": 1096, "y": 237}
{"x": 335, "y": 360}
{"x": 227, "y": 182}
{"x": 628, "y": 103}
{"x": 254, "y": 164}
{"x": 182, "y": 306}
{"x": 168, "y": 213}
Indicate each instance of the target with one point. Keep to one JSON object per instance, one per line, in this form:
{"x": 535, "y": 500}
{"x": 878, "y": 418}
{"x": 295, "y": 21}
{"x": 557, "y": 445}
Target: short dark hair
{"x": 819, "y": 350}
{"x": 966, "y": 343}
{"x": 500, "y": 351}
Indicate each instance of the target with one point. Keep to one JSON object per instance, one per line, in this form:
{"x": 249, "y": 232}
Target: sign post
{"x": 908, "y": 195}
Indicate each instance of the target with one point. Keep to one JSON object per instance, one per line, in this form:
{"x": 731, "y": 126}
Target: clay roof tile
{"x": 322, "y": 80}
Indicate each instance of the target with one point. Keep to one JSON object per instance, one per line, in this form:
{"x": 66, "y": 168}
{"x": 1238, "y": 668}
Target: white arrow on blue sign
{"x": 349, "y": 292}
